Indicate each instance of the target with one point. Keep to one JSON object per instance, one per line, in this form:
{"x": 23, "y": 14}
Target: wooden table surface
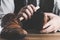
{"x": 51, "y": 36}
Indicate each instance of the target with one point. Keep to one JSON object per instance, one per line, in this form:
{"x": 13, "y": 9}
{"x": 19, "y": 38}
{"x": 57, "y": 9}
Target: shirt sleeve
{"x": 56, "y": 7}
{"x": 7, "y": 6}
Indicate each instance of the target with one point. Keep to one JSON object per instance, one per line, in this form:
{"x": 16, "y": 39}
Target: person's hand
{"x": 27, "y": 11}
{"x": 52, "y": 25}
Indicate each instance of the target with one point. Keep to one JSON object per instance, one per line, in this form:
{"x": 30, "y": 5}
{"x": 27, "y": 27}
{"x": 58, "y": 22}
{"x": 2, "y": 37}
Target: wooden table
{"x": 52, "y": 36}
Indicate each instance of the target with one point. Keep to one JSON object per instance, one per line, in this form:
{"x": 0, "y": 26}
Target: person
{"x": 9, "y": 15}
{"x": 48, "y": 11}
{"x": 51, "y": 25}
{"x": 54, "y": 22}
{"x": 7, "y": 6}
{"x": 35, "y": 21}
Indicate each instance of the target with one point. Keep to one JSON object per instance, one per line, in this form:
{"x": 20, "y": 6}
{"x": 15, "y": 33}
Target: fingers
{"x": 51, "y": 26}
{"x": 33, "y": 7}
{"x": 48, "y": 30}
{"x": 47, "y": 25}
{"x": 24, "y": 16}
{"x": 28, "y": 11}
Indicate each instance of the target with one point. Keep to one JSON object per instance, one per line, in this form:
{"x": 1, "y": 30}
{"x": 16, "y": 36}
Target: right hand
{"x": 53, "y": 25}
{"x": 27, "y": 11}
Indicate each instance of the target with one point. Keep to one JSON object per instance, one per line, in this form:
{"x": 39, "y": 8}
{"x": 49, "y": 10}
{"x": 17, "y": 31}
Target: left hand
{"x": 52, "y": 25}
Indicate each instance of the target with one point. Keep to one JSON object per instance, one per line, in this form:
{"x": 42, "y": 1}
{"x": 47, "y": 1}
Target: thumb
{"x": 50, "y": 15}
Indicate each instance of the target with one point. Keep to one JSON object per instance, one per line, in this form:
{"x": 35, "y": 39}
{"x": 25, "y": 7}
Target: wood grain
{"x": 51, "y": 36}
